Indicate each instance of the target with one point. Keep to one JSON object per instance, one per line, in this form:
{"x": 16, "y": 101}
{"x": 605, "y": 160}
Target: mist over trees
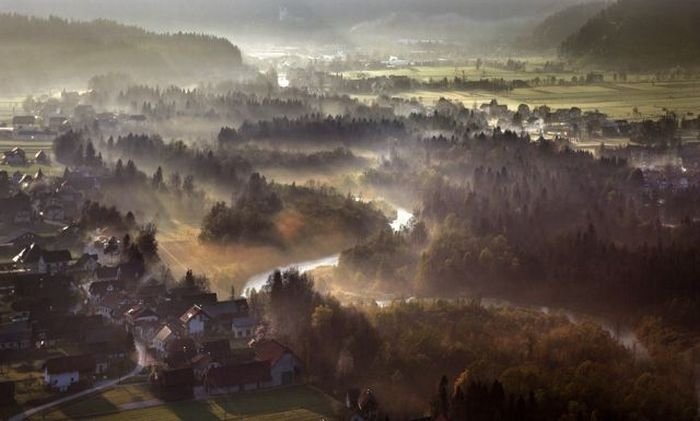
{"x": 74, "y": 51}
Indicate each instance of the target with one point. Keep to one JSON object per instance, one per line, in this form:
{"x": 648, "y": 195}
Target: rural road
{"x": 97, "y": 388}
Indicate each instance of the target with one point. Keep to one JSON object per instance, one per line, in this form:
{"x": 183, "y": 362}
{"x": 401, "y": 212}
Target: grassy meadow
{"x": 617, "y": 99}
{"x": 290, "y": 403}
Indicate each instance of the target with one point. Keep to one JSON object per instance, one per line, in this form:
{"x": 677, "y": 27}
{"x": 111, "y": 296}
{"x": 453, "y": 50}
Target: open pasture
{"x": 618, "y": 100}
{"x": 291, "y": 403}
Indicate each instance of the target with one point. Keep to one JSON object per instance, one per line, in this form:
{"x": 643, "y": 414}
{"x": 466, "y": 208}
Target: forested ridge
{"x": 55, "y": 49}
{"x": 640, "y": 34}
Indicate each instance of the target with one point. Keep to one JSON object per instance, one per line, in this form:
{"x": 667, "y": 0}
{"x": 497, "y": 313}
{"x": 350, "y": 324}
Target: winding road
{"x": 142, "y": 359}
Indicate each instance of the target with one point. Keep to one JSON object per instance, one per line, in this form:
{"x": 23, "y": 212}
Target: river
{"x": 622, "y": 334}
{"x": 403, "y": 217}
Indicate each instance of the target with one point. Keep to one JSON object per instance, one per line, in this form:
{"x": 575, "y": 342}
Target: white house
{"x": 60, "y": 373}
{"x": 194, "y": 320}
{"x": 243, "y": 327}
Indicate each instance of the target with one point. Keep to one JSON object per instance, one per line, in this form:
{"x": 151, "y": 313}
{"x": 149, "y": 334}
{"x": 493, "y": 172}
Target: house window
{"x": 247, "y": 332}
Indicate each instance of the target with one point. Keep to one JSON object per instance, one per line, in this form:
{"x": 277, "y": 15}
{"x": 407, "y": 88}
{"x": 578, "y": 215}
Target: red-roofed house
{"x": 285, "y": 367}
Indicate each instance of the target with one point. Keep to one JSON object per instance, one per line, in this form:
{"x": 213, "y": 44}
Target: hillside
{"x": 640, "y": 34}
{"x": 559, "y": 26}
{"x": 43, "y": 52}
{"x": 312, "y": 21}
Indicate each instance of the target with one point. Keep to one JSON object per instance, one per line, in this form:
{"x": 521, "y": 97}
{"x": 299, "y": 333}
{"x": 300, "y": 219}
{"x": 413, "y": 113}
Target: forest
{"x": 619, "y": 35}
{"x": 283, "y": 215}
{"x": 76, "y": 50}
{"x": 499, "y": 363}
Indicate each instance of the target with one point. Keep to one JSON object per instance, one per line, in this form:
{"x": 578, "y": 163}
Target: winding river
{"x": 403, "y": 217}
{"x": 622, "y": 334}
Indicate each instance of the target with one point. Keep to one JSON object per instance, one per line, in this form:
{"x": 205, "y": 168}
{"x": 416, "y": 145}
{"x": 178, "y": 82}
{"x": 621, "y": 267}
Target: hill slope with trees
{"x": 640, "y": 34}
{"x": 40, "y": 51}
{"x": 559, "y": 26}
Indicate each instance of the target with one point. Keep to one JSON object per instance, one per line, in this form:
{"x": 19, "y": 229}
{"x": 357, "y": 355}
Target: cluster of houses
{"x": 572, "y": 124}
{"x": 190, "y": 338}
{"x": 102, "y": 307}
{"x": 35, "y": 198}
{"x": 18, "y": 157}
{"x": 51, "y": 123}
{"x": 194, "y": 339}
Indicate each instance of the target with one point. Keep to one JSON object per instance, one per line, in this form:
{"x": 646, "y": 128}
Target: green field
{"x": 292, "y": 403}
{"x": 615, "y": 99}
{"x": 425, "y": 73}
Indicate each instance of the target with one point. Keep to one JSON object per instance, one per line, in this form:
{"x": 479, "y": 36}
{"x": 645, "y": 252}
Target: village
{"x": 78, "y": 314}
{"x": 192, "y": 342}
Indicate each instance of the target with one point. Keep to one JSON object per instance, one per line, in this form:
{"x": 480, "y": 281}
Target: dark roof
{"x": 177, "y": 377}
{"x": 131, "y": 270}
{"x": 33, "y": 252}
{"x": 69, "y": 326}
{"x": 56, "y": 256}
{"x": 189, "y": 292}
{"x": 79, "y": 363}
{"x": 107, "y": 272}
{"x": 15, "y": 332}
{"x": 232, "y": 308}
{"x": 24, "y": 119}
{"x": 100, "y": 288}
{"x": 19, "y": 237}
{"x": 99, "y": 335}
{"x": 218, "y": 349}
{"x": 234, "y": 375}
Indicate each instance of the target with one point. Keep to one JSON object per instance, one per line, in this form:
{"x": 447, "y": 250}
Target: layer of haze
{"x": 324, "y": 22}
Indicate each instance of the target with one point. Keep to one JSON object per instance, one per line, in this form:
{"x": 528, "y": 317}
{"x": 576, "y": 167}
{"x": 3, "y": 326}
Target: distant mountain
{"x": 40, "y": 52}
{"x": 556, "y": 28}
{"x": 640, "y": 34}
{"x": 304, "y": 21}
